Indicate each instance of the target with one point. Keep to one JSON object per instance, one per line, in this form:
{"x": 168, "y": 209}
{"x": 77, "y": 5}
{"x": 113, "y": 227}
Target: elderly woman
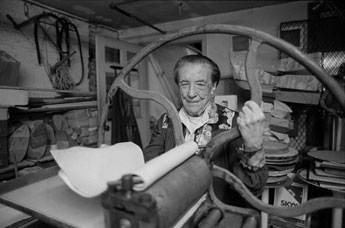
{"x": 197, "y": 77}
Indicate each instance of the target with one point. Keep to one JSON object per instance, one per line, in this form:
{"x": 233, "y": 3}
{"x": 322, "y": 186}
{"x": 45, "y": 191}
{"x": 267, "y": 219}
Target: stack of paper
{"x": 278, "y": 122}
{"x": 329, "y": 171}
{"x": 281, "y": 160}
{"x": 280, "y": 157}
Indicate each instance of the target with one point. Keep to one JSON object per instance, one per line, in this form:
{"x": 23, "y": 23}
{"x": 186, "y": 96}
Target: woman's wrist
{"x": 252, "y": 146}
{"x": 253, "y": 159}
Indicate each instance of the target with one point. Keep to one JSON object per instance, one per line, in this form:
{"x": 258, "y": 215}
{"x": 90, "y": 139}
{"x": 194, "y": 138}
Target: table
{"x": 47, "y": 198}
{"x": 337, "y": 213}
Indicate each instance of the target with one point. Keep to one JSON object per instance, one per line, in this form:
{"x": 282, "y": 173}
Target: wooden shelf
{"x": 287, "y": 95}
{"x": 65, "y": 92}
{"x": 298, "y": 97}
{"x": 64, "y": 100}
{"x": 57, "y": 107}
{"x": 38, "y": 107}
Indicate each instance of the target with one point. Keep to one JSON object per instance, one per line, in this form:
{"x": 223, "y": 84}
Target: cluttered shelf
{"x": 25, "y": 167}
{"x": 34, "y": 120}
{"x": 289, "y": 81}
{"x": 66, "y": 92}
{"x": 286, "y": 94}
{"x": 26, "y": 100}
{"x": 63, "y": 106}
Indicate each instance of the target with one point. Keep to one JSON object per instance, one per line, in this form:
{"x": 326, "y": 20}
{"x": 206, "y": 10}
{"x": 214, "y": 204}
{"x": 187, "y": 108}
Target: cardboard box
{"x": 291, "y": 196}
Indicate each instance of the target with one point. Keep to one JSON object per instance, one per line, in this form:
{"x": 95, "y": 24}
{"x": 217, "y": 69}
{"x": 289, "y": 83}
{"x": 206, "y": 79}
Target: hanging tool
{"x": 35, "y": 20}
{"x": 62, "y": 26}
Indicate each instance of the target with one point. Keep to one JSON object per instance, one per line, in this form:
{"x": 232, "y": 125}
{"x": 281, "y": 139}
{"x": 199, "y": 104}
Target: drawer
{"x": 3, "y": 127}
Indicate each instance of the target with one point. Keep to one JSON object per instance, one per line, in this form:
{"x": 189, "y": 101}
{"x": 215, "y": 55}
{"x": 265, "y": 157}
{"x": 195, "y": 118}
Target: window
{"x": 296, "y": 33}
{"x": 112, "y": 55}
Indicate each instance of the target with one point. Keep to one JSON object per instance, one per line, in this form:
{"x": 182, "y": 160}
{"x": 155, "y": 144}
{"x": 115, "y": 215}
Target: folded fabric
{"x": 290, "y": 64}
{"x": 272, "y": 147}
{"x": 300, "y": 82}
{"x": 290, "y": 153}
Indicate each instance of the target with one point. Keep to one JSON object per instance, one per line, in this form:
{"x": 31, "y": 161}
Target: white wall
{"x": 218, "y": 46}
{"x": 264, "y": 18}
{"x": 21, "y": 45}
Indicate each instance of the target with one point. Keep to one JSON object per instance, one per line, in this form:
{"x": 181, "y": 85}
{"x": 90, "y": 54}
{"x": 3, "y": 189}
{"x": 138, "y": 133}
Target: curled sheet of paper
{"x": 161, "y": 165}
{"x": 88, "y": 170}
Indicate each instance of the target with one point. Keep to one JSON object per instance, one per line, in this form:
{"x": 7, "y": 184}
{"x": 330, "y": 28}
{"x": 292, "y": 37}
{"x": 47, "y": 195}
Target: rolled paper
{"x": 87, "y": 171}
{"x": 154, "y": 169}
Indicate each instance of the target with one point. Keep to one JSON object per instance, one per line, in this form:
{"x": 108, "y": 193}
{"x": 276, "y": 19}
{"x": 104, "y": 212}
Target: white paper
{"x": 88, "y": 170}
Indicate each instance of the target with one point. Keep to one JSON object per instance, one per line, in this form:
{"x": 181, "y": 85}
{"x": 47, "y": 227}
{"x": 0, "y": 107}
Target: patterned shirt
{"x": 215, "y": 120}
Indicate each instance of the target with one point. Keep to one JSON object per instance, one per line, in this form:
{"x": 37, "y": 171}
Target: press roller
{"x": 162, "y": 204}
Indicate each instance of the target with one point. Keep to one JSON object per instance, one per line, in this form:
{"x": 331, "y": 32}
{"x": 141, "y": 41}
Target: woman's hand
{"x": 251, "y": 125}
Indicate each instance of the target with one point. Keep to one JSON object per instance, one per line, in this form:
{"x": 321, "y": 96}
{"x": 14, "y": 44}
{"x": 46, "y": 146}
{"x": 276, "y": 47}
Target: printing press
{"x": 184, "y": 195}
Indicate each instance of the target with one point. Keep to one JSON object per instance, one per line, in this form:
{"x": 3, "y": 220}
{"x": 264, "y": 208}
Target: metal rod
{"x": 120, "y": 68}
{"x": 113, "y": 6}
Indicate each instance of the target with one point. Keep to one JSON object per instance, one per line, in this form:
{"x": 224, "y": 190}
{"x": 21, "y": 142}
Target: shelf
{"x": 57, "y": 107}
{"x": 65, "y": 92}
{"x": 9, "y": 172}
{"x": 287, "y": 95}
{"x": 298, "y": 97}
{"x": 11, "y": 97}
{"x": 19, "y": 98}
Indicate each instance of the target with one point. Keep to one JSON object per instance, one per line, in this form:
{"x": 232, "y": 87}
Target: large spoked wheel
{"x": 257, "y": 39}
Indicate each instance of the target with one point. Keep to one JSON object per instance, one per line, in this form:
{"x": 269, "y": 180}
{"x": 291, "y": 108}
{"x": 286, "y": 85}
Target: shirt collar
{"x": 193, "y": 123}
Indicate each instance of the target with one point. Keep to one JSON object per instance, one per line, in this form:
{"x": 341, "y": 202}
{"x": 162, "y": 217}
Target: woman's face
{"x": 196, "y": 87}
